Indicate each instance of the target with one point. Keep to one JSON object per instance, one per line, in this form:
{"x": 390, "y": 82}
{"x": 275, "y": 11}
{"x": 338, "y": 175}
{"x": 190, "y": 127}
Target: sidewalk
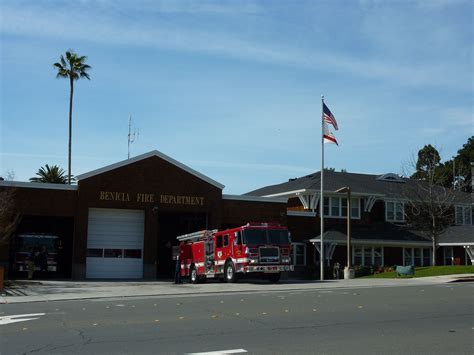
{"x": 46, "y": 291}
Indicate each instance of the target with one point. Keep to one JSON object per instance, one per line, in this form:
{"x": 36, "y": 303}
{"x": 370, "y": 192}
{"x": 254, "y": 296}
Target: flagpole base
{"x": 349, "y": 273}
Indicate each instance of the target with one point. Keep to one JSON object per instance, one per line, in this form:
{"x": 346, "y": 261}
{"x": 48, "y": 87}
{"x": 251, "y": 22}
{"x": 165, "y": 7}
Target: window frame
{"x": 355, "y": 201}
{"x": 294, "y": 254}
{"x": 363, "y": 251}
{"x": 445, "y": 255}
{"x": 466, "y": 211}
{"x": 421, "y": 257}
{"x": 394, "y": 211}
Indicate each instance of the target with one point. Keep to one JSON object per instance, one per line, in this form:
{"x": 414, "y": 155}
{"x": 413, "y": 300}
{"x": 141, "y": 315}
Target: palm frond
{"x": 63, "y": 62}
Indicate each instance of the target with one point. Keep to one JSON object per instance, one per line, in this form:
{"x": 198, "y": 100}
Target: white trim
{"x": 38, "y": 185}
{"x": 369, "y": 203}
{"x": 301, "y": 213}
{"x": 460, "y": 244}
{"x": 309, "y": 200}
{"x": 288, "y": 193}
{"x": 326, "y": 193}
{"x": 254, "y": 198}
{"x": 146, "y": 156}
{"x": 375, "y": 242}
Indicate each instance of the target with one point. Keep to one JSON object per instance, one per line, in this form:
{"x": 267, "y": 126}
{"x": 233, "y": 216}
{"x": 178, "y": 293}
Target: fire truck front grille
{"x": 269, "y": 255}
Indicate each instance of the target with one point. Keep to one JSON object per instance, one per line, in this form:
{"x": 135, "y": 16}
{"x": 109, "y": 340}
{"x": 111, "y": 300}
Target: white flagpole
{"x": 321, "y": 199}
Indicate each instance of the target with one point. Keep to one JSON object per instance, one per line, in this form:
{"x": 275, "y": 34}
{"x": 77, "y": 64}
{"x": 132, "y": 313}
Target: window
{"x": 378, "y": 256}
{"x": 367, "y": 256}
{"x": 113, "y": 253}
{"x": 219, "y": 241}
{"x": 426, "y": 256}
{"x": 394, "y": 211}
{"x": 357, "y": 256}
{"x": 299, "y": 254}
{"x": 132, "y": 253}
{"x": 407, "y": 256}
{"x": 417, "y": 256}
{"x": 95, "y": 253}
{"x": 463, "y": 215}
{"x": 418, "y": 261}
{"x": 337, "y": 207}
{"x": 226, "y": 240}
{"x": 448, "y": 255}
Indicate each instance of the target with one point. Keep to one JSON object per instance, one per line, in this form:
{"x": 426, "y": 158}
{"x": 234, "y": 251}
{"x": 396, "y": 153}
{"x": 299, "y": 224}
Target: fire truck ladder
{"x": 193, "y": 237}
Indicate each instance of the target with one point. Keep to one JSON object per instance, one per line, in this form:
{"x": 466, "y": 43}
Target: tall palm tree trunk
{"x": 71, "y": 80}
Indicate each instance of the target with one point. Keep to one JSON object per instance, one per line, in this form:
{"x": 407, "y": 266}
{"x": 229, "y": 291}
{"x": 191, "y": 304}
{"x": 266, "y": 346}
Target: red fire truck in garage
{"x": 255, "y": 248}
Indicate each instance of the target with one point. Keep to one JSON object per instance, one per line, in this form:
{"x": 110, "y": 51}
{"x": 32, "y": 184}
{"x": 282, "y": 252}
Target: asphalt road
{"x": 386, "y": 320}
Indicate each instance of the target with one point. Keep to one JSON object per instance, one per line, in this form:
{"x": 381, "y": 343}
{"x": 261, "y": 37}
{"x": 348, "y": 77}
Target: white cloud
{"x": 162, "y": 33}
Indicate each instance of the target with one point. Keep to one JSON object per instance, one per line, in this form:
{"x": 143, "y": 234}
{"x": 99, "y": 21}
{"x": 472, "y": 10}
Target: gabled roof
{"x": 154, "y": 153}
{"x": 387, "y": 185}
{"x": 38, "y": 185}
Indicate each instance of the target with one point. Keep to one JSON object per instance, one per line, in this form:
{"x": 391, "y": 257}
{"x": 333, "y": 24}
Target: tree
{"x": 462, "y": 164}
{"x": 428, "y": 161}
{"x": 51, "y": 174}
{"x": 72, "y": 67}
{"x": 429, "y": 203}
{"x": 9, "y": 217}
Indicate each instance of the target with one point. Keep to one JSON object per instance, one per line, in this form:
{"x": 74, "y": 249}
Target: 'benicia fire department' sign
{"x": 151, "y": 198}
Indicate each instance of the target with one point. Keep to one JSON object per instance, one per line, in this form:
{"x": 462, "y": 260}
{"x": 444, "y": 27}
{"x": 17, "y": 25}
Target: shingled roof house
{"x": 380, "y": 235}
{"x": 120, "y": 221}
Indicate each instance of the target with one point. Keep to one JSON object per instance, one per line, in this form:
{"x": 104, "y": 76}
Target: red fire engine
{"x": 260, "y": 248}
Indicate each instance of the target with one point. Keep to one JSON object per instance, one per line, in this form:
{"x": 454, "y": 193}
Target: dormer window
{"x": 390, "y": 177}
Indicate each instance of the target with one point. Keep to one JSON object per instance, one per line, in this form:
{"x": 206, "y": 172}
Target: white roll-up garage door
{"x": 115, "y": 244}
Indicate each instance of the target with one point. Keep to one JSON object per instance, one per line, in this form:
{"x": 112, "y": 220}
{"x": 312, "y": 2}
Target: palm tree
{"x": 52, "y": 174}
{"x": 72, "y": 67}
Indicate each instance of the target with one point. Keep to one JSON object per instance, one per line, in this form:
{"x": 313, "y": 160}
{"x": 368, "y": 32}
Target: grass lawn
{"x": 428, "y": 271}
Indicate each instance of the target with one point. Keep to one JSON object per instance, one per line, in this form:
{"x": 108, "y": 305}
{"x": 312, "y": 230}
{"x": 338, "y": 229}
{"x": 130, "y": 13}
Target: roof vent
{"x": 390, "y": 177}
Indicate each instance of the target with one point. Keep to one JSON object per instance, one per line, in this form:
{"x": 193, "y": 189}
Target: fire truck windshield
{"x": 26, "y": 243}
{"x": 266, "y": 236}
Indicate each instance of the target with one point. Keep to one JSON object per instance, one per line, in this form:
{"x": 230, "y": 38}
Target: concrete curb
{"x": 50, "y": 291}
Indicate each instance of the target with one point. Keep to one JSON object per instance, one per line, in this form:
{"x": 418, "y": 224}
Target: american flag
{"x": 328, "y": 116}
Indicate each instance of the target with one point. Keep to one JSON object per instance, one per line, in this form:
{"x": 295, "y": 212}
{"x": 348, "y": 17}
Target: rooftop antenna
{"x": 132, "y": 135}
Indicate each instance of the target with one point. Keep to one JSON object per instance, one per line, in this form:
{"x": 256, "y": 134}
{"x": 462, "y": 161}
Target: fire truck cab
{"x": 256, "y": 248}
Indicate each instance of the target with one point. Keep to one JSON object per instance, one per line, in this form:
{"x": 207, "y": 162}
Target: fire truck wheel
{"x": 193, "y": 276}
{"x": 274, "y": 278}
{"x": 229, "y": 272}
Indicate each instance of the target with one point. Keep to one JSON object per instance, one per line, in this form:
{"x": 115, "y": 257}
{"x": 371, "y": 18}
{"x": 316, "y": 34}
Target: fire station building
{"x": 121, "y": 221}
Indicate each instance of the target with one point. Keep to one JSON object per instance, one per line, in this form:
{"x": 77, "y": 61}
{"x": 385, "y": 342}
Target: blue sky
{"x": 233, "y": 88}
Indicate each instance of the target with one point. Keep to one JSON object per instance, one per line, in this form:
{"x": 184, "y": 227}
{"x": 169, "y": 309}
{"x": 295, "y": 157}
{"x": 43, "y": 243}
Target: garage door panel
{"x": 114, "y": 268}
{"x": 115, "y": 229}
